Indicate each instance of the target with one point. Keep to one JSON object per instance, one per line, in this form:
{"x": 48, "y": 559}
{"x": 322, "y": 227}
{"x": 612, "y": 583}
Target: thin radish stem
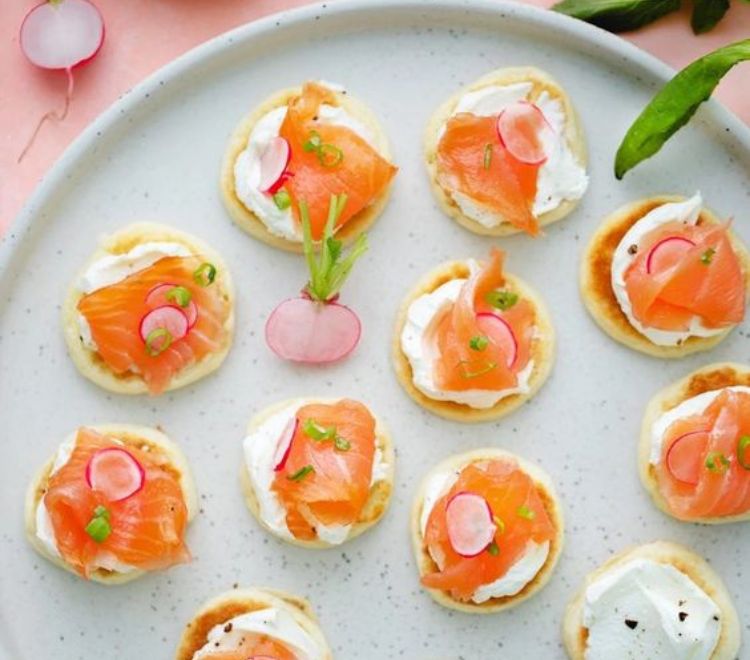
{"x": 52, "y": 114}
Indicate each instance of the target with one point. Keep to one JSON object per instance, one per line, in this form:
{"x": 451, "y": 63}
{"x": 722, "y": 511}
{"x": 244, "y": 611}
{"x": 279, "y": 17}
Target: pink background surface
{"x": 143, "y": 35}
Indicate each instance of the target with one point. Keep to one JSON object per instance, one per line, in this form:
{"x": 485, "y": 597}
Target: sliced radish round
{"x": 157, "y": 297}
{"x": 63, "y": 34}
{"x": 303, "y": 330}
{"x": 168, "y": 317}
{"x": 468, "y": 518}
{"x": 667, "y": 252}
{"x": 684, "y": 456}
{"x": 115, "y": 473}
{"x": 273, "y": 162}
{"x": 500, "y": 333}
{"x": 524, "y": 131}
{"x": 284, "y": 447}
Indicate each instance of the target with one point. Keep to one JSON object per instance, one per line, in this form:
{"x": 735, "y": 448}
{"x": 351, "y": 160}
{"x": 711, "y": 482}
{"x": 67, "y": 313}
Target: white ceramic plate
{"x": 155, "y": 155}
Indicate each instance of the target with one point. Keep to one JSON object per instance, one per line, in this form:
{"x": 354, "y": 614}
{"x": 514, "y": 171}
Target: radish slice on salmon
{"x": 171, "y": 294}
{"x": 163, "y": 326}
{"x": 524, "y": 131}
{"x": 115, "y": 473}
{"x": 285, "y": 445}
{"x": 684, "y": 456}
{"x": 314, "y": 328}
{"x": 273, "y": 163}
{"x": 667, "y": 252}
{"x": 499, "y": 332}
{"x": 469, "y": 522}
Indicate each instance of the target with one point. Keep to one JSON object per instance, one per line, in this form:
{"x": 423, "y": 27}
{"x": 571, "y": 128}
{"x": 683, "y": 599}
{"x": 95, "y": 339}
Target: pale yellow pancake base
{"x": 91, "y": 365}
{"x": 542, "y": 349}
{"x": 380, "y": 491}
{"x": 547, "y": 492}
{"x": 230, "y": 604}
{"x": 596, "y": 280}
{"x": 711, "y": 377}
{"x": 141, "y": 437}
{"x": 573, "y": 136}
{"x": 246, "y": 220}
{"x": 664, "y": 552}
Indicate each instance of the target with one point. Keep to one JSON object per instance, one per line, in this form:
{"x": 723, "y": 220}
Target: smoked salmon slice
{"x": 114, "y": 314}
{"x": 471, "y": 159}
{"x": 714, "y": 474}
{"x": 519, "y": 514}
{"x": 147, "y": 528}
{"x": 705, "y": 279}
{"x": 327, "y": 160}
{"x": 479, "y": 345}
{"x": 253, "y": 646}
{"x": 326, "y": 478}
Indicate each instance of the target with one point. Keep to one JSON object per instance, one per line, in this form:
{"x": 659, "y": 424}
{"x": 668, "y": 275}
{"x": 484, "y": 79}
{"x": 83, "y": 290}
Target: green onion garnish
{"x": 282, "y": 199}
{"x": 478, "y": 343}
{"x": 99, "y": 528}
{"x": 708, "y": 256}
{"x": 300, "y": 474}
{"x": 499, "y": 524}
{"x": 313, "y": 142}
{"x": 717, "y": 462}
{"x": 487, "y": 156}
{"x": 501, "y": 299}
{"x": 469, "y": 371}
{"x": 179, "y": 295}
{"x": 205, "y": 274}
{"x": 342, "y": 444}
{"x": 493, "y": 549}
{"x": 154, "y": 346}
{"x": 330, "y": 155}
{"x": 525, "y": 512}
{"x": 742, "y": 445}
{"x": 318, "y": 432}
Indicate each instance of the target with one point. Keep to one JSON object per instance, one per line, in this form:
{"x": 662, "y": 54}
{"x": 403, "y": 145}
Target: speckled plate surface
{"x": 156, "y": 154}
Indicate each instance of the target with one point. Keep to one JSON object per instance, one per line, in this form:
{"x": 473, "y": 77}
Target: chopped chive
{"x": 330, "y": 155}
{"x": 282, "y": 199}
{"x": 179, "y": 295}
{"x": 499, "y": 524}
{"x": 742, "y": 445}
{"x": 205, "y": 274}
{"x": 717, "y": 462}
{"x": 501, "y": 299}
{"x": 313, "y": 142}
{"x": 467, "y": 371}
{"x": 478, "y": 343}
{"x": 317, "y": 432}
{"x": 525, "y": 512}
{"x": 98, "y": 527}
{"x": 155, "y": 347}
{"x": 300, "y": 474}
{"x": 342, "y": 444}
{"x": 708, "y": 256}
{"x": 493, "y": 548}
{"x": 487, "y": 156}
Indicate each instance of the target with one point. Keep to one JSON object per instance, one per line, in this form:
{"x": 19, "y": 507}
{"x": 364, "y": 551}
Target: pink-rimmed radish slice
{"x": 284, "y": 447}
{"x": 685, "y": 456}
{"x": 168, "y": 317}
{"x": 115, "y": 473}
{"x": 524, "y": 131}
{"x": 498, "y": 330}
{"x": 667, "y": 252}
{"x": 62, "y": 34}
{"x": 468, "y": 519}
{"x": 157, "y": 297}
{"x": 303, "y": 330}
{"x": 273, "y": 162}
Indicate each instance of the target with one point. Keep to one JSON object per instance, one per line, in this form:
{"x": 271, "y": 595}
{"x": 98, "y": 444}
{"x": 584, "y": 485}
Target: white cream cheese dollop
{"x": 518, "y": 575}
{"x": 420, "y": 316}
{"x": 687, "y": 212}
{"x": 561, "y": 177}
{"x": 693, "y": 406}
{"x": 247, "y": 166}
{"x": 260, "y": 447}
{"x": 645, "y": 609}
{"x": 273, "y": 622}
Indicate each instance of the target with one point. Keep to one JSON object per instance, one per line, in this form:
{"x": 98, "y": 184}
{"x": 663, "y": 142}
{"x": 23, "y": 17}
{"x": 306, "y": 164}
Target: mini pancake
{"x": 542, "y": 351}
{"x": 135, "y": 436}
{"x": 233, "y": 603}
{"x": 247, "y": 220}
{"x": 712, "y": 377}
{"x": 380, "y": 492}
{"x": 596, "y": 276}
{"x": 90, "y": 365}
{"x": 548, "y": 494}
{"x": 542, "y": 82}
{"x": 663, "y": 552}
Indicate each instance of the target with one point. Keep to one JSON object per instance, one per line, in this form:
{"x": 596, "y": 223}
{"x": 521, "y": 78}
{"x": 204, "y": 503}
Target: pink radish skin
{"x": 667, "y": 253}
{"x": 515, "y": 142}
{"x": 284, "y": 448}
{"x": 273, "y": 163}
{"x": 687, "y": 474}
{"x": 303, "y": 330}
{"x": 498, "y": 330}
{"x": 468, "y": 519}
{"x": 115, "y": 473}
{"x": 171, "y": 318}
{"x": 157, "y": 297}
